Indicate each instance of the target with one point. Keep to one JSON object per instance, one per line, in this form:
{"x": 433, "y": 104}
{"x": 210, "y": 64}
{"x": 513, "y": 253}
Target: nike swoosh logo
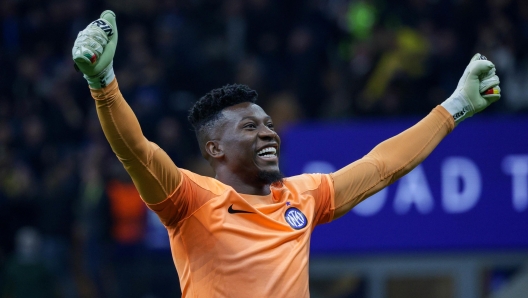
{"x": 233, "y": 211}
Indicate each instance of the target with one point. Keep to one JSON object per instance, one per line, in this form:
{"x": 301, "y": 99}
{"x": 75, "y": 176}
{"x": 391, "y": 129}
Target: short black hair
{"x": 209, "y": 107}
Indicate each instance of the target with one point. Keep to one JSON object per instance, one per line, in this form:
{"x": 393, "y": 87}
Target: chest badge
{"x": 295, "y": 218}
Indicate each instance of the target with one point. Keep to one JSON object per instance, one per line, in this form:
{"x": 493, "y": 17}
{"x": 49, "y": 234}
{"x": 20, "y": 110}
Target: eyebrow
{"x": 268, "y": 117}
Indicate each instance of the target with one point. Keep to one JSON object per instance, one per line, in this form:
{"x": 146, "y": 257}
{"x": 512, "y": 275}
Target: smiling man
{"x": 246, "y": 232}
{"x": 229, "y": 128}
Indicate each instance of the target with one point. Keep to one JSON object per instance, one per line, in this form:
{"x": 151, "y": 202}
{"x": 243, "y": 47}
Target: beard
{"x": 271, "y": 177}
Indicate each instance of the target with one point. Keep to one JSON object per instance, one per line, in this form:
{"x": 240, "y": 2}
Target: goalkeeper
{"x": 246, "y": 232}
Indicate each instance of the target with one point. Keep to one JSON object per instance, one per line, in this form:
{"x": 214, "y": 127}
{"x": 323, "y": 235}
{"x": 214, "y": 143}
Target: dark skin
{"x": 232, "y": 145}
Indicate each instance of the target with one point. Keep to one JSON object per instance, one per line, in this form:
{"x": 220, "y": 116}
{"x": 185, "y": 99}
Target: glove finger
{"x": 493, "y": 94}
{"x": 491, "y": 98}
{"x": 490, "y": 73}
{"x": 84, "y": 55}
{"x": 489, "y": 83}
{"x": 110, "y": 17}
{"x": 476, "y": 57}
{"x": 99, "y": 39}
{"x": 93, "y": 44}
{"x": 111, "y": 31}
{"x": 480, "y": 67}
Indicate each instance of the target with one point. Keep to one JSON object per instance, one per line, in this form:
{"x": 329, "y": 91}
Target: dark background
{"x": 60, "y": 185}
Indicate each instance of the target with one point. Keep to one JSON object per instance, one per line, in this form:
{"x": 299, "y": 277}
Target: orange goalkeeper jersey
{"x": 227, "y": 244}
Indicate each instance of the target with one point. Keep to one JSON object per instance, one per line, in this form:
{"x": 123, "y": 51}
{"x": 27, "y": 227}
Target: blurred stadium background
{"x": 72, "y": 225}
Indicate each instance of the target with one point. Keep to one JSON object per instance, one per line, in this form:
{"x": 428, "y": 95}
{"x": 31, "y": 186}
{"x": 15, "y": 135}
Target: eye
{"x": 270, "y": 126}
{"x": 250, "y": 126}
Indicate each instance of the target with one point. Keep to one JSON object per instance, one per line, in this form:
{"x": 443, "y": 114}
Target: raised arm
{"x": 153, "y": 172}
{"x": 389, "y": 161}
{"x": 398, "y": 155}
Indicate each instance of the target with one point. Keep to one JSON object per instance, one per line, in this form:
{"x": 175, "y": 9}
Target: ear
{"x": 214, "y": 149}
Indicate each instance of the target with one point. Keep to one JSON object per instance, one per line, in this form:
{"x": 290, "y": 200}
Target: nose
{"x": 267, "y": 133}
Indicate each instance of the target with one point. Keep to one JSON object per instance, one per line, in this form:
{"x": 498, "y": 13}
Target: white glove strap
{"x": 459, "y": 107}
{"x": 101, "y": 80}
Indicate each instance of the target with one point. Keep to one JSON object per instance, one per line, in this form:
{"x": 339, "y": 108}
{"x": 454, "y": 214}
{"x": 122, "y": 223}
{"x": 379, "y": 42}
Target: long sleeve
{"x": 389, "y": 161}
{"x": 153, "y": 172}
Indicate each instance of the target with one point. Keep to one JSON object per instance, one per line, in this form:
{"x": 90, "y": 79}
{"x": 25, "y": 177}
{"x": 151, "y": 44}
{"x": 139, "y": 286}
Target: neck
{"x": 243, "y": 186}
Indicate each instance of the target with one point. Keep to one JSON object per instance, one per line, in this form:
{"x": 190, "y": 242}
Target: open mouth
{"x": 269, "y": 152}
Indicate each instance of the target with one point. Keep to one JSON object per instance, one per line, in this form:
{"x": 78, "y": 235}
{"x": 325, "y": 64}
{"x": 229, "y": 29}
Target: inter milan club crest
{"x": 295, "y": 218}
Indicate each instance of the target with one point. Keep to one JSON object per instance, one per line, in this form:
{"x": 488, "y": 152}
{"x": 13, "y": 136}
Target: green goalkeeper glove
{"x": 478, "y": 88}
{"x": 94, "y": 49}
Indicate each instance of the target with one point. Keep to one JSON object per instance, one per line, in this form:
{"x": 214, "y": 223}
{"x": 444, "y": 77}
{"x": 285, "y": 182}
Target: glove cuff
{"x": 459, "y": 107}
{"x": 102, "y": 79}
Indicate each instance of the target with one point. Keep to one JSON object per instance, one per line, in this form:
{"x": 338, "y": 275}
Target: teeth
{"x": 271, "y": 150}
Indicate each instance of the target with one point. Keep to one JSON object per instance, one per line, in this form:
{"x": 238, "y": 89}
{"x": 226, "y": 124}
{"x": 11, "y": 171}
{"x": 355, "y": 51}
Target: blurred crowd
{"x": 71, "y": 222}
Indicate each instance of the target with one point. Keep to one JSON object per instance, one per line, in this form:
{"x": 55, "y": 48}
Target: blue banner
{"x": 471, "y": 193}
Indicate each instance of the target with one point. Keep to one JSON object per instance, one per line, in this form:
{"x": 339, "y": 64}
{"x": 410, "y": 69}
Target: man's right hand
{"x": 94, "y": 49}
